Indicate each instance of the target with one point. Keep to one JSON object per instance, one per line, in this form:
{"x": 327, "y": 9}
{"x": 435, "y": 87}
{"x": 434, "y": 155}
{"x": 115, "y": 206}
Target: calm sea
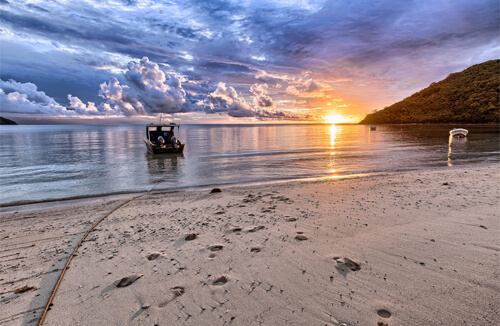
{"x": 50, "y": 162}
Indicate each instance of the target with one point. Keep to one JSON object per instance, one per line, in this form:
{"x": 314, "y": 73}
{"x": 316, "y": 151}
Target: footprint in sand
{"x": 300, "y": 237}
{"x": 235, "y": 230}
{"x": 216, "y": 248}
{"x": 178, "y": 290}
{"x": 220, "y": 281}
{"x": 126, "y": 281}
{"x": 255, "y": 249}
{"x": 191, "y": 236}
{"x": 257, "y": 228}
{"x": 384, "y": 313}
{"x": 351, "y": 264}
{"x": 291, "y": 219}
{"x": 154, "y": 256}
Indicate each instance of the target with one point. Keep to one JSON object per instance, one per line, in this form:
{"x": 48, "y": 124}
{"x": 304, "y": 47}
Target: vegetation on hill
{"x": 469, "y": 96}
{"x": 5, "y": 121}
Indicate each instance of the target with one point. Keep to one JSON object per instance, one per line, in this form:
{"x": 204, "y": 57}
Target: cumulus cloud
{"x": 303, "y": 86}
{"x": 90, "y": 109}
{"x": 148, "y": 90}
{"x": 25, "y": 98}
{"x": 307, "y": 87}
{"x": 225, "y": 98}
{"x": 261, "y": 98}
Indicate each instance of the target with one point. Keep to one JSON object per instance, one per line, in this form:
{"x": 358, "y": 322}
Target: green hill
{"x": 469, "y": 96}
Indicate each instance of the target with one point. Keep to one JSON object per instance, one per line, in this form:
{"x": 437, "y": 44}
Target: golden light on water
{"x": 333, "y": 134}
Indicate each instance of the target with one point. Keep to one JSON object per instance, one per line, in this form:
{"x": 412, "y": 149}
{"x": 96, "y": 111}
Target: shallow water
{"x": 49, "y": 162}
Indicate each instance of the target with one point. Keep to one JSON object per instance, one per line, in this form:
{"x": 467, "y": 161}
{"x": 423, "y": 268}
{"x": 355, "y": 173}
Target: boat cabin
{"x": 166, "y": 131}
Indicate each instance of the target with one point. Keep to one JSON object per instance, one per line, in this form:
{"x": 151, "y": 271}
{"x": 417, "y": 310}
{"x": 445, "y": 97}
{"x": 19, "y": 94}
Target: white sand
{"x": 428, "y": 254}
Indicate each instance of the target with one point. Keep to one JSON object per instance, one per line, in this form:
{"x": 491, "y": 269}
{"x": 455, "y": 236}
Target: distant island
{"x": 5, "y": 121}
{"x": 469, "y": 96}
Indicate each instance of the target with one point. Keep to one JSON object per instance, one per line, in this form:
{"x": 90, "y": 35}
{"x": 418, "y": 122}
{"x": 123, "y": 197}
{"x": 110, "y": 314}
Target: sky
{"x": 224, "y": 61}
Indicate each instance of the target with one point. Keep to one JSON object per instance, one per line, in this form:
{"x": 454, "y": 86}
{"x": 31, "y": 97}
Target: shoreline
{"x": 423, "y": 246}
{"x": 7, "y": 207}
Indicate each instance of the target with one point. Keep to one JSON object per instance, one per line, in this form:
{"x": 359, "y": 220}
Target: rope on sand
{"x": 49, "y": 303}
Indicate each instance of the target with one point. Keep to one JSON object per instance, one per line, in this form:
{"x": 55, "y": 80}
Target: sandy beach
{"x": 410, "y": 248}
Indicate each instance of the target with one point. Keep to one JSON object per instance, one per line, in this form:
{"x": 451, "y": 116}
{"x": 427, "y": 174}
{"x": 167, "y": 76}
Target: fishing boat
{"x": 459, "y": 132}
{"x": 160, "y": 139}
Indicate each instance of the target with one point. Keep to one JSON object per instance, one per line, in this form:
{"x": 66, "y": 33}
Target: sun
{"x": 335, "y": 118}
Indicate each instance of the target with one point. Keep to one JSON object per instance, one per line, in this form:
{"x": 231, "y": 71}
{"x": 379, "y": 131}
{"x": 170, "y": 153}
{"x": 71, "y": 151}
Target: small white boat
{"x": 373, "y": 127}
{"x": 459, "y": 132}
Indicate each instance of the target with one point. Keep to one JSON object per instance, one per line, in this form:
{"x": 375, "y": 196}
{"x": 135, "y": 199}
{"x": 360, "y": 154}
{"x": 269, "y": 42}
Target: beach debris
{"x": 484, "y": 227}
{"x": 445, "y": 183}
{"x": 220, "y": 281}
{"x": 291, "y": 219}
{"x": 300, "y": 237}
{"x": 154, "y": 256}
{"x": 255, "y": 249}
{"x": 215, "y": 190}
{"x": 23, "y": 289}
{"x": 146, "y": 306}
{"x": 349, "y": 263}
{"x": 126, "y": 281}
{"x": 191, "y": 236}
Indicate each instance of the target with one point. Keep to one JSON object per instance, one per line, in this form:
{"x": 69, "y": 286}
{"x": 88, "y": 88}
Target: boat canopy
{"x": 155, "y": 130}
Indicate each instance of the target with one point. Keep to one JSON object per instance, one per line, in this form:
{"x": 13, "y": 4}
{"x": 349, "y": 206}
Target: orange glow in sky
{"x": 337, "y": 118}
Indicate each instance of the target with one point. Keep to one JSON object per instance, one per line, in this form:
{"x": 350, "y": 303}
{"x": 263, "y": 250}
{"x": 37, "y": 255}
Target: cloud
{"x": 261, "y": 98}
{"x": 90, "y": 109}
{"x": 226, "y": 99}
{"x": 306, "y": 87}
{"x": 376, "y": 45}
{"x": 145, "y": 90}
{"x": 148, "y": 91}
{"x": 25, "y": 98}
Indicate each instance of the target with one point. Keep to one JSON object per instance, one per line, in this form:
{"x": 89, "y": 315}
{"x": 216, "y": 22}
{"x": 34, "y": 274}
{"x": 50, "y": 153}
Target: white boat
{"x": 459, "y": 132}
{"x": 373, "y": 127}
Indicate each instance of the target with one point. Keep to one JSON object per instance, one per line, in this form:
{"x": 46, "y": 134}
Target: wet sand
{"x": 418, "y": 248}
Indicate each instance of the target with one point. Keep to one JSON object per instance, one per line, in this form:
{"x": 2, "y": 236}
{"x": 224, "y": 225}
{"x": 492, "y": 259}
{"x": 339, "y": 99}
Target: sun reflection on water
{"x": 334, "y": 130}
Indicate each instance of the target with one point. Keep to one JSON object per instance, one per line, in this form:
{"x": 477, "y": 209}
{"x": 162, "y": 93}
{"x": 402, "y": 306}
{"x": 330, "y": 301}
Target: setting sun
{"x": 336, "y": 118}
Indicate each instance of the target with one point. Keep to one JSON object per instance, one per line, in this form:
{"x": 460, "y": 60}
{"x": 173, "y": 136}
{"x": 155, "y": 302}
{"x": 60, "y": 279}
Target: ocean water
{"x": 64, "y": 161}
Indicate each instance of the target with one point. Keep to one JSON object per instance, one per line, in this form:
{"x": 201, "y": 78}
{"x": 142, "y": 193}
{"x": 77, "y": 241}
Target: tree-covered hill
{"x": 469, "y": 96}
